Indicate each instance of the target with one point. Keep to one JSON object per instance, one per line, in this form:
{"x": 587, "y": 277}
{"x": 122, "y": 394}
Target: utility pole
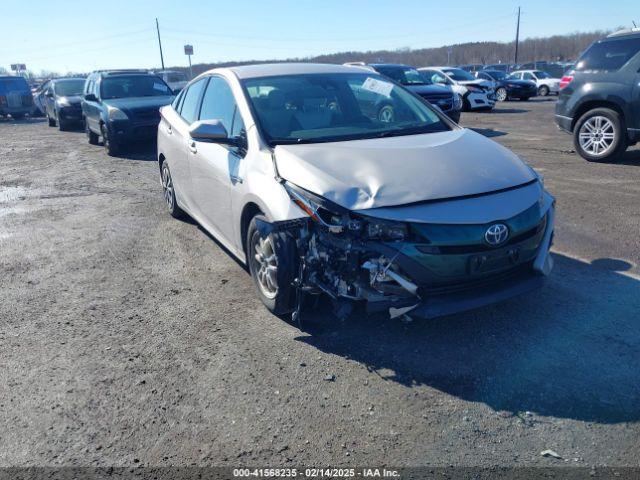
{"x": 160, "y": 44}
{"x": 517, "y": 37}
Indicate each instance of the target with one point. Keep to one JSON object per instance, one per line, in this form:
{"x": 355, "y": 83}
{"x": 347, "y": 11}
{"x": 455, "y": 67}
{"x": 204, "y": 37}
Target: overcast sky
{"x": 70, "y": 35}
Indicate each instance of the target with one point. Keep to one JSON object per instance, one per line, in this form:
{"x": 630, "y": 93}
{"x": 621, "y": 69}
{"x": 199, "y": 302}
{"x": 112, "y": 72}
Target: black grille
{"x": 485, "y": 281}
{"x": 152, "y": 114}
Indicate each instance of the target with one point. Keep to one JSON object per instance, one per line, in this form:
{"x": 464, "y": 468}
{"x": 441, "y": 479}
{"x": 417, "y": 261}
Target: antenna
{"x": 634, "y": 24}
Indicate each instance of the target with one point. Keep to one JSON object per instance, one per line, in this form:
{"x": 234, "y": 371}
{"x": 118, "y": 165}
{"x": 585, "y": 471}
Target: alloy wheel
{"x": 167, "y": 187}
{"x": 386, "y": 114}
{"x": 501, "y": 94}
{"x": 597, "y": 135}
{"x": 266, "y": 266}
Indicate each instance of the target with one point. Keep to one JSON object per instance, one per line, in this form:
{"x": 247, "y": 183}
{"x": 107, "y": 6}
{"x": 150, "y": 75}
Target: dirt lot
{"x": 127, "y": 336}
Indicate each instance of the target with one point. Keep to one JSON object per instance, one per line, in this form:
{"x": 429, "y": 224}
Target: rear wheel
{"x": 543, "y": 91}
{"x": 600, "y": 135}
{"x": 501, "y": 94}
{"x": 169, "y": 192}
{"x": 272, "y": 264}
{"x": 51, "y": 121}
{"x": 111, "y": 146}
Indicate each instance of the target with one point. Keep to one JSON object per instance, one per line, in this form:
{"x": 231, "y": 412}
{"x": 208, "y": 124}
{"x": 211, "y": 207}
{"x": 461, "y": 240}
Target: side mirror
{"x": 90, "y": 97}
{"x": 212, "y": 131}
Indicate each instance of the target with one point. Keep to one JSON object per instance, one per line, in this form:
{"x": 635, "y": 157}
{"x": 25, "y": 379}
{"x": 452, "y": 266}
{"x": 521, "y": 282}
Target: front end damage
{"x": 409, "y": 269}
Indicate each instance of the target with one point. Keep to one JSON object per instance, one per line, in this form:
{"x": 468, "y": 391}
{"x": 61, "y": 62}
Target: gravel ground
{"x": 128, "y": 337}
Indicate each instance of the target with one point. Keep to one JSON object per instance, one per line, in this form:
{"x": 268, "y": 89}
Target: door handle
{"x": 169, "y": 129}
{"x": 192, "y": 147}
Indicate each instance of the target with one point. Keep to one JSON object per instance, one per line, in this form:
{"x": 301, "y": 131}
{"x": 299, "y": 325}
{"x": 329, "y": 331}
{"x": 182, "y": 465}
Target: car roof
{"x": 401, "y": 65}
{"x": 632, "y": 32}
{"x": 62, "y": 79}
{"x": 276, "y": 69}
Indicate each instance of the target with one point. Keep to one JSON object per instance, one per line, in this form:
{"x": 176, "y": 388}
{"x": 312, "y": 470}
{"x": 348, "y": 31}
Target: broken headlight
{"x": 338, "y": 219}
{"x": 322, "y": 211}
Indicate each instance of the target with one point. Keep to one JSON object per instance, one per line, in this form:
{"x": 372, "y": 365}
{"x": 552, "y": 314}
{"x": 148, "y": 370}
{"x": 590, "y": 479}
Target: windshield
{"x": 66, "y": 88}
{"x": 458, "y": 74}
{"x": 403, "y": 75}
{"x": 541, "y": 74}
{"x": 336, "y": 107}
{"x": 497, "y": 74}
{"x": 125, "y": 86}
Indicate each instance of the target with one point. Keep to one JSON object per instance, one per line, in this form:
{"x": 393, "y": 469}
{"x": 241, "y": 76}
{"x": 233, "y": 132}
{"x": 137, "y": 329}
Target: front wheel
{"x": 543, "y": 91}
{"x": 600, "y": 135}
{"x": 111, "y": 146}
{"x": 272, "y": 264}
{"x": 501, "y": 94}
{"x": 92, "y": 137}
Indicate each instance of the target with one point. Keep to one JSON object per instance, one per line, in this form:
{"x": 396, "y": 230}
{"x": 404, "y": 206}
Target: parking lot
{"x": 130, "y": 337}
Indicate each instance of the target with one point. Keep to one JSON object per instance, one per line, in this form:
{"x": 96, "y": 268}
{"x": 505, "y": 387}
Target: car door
{"x": 176, "y": 126}
{"x": 214, "y": 167}
{"x": 49, "y": 101}
{"x": 91, "y": 109}
{"x": 530, "y": 77}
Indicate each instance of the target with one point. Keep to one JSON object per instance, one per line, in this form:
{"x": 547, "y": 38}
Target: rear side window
{"x": 10, "y": 84}
{"x": 608, "y": 55}
{"x": 190, "y": 104}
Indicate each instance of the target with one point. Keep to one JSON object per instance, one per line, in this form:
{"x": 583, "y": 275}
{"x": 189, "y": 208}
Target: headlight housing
{"x": 337, "y": 219}
{"x": 116, "y": 114}
{"x": 64, "y": 102}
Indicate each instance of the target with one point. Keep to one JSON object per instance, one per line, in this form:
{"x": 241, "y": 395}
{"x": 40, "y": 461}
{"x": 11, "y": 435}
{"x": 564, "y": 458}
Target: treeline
{"x": 556, "y": 48}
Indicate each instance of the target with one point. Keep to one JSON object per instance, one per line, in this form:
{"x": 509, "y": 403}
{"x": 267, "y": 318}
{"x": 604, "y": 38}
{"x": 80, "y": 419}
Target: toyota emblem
{"x": 496, "y": 234}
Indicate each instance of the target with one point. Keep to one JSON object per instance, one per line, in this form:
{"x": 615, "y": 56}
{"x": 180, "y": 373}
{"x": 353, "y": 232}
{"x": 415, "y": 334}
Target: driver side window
{"x": 219, "y": 103}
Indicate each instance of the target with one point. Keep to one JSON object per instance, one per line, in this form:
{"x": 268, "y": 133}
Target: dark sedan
{"x": 62, "y": 102}
{"x": 507, "y": 88}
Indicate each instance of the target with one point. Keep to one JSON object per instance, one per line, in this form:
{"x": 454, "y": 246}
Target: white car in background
{"x": 476, "y": 94}
{"x": 546, "y": 83}
{"x": 175, "y": 79}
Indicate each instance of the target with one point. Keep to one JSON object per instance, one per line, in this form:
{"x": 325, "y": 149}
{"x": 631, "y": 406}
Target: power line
{"x": 160, "y": 44}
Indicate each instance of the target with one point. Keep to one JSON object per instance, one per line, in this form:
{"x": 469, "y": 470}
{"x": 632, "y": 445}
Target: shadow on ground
{"x": 570, "y": 350}
{"x": 508, "y": 110}
{"x": 489, "y": 132}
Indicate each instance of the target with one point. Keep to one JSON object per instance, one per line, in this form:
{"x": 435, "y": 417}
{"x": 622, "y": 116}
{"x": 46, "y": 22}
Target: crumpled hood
{"x": 361, "y": 174}
{"x": 139, "y": 103}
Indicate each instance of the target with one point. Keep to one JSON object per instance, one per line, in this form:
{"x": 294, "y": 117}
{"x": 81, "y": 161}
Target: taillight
{"x": 3, "y": 100}
{"x": 566, "y": 80}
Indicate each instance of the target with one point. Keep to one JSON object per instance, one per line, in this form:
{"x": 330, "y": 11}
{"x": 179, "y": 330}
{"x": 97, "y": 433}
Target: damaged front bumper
{"x": 415, "y": 269}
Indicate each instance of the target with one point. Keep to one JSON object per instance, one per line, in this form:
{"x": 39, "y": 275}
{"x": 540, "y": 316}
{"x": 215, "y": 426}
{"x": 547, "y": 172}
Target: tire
{"x": 93, "y": 137}
{"x": 276, "y": 250}
{"x": 111, "y": 147}
{"x": 62, "y": 125}
{"x": 600, "y": 124}
{"x": 51, "y": 121}
{"x": 543, "y": 91}
{"x": 501, "y": 94}
{"x": 17, "y": 116}
{"x": 386, "y": 114}
{"x": 169, "y": 192}
{"x": 466, "y": 105}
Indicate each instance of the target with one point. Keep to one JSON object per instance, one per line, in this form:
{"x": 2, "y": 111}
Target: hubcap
{"x": 167, "y": 187}
{"x": 597, "y": 135}
{"x": 386, "y": 115}
{"x": 501, "y": 94}
{"x": 266, "y": 266}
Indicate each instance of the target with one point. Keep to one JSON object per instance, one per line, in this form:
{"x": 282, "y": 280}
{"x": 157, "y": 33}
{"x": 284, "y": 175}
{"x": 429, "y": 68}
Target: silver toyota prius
{"x": 326, "y": 179}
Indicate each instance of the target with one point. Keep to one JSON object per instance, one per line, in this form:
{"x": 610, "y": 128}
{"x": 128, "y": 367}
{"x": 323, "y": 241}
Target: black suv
{"x": 599, "y": 101}
{"x": 123, "y": 106}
